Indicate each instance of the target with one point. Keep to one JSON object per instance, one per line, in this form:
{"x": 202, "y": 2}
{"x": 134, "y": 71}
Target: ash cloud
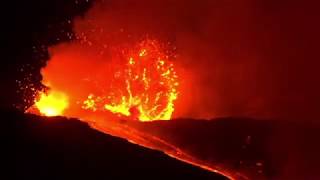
{"x": 244, "y": 58}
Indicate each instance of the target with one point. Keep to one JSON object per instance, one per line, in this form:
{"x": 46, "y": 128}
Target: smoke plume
{"x": 244, "y": 58}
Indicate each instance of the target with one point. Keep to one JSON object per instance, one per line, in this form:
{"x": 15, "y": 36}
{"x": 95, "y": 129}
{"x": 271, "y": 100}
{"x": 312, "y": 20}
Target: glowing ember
{"x": 144, "y": 88}
{"x": 52, "y": 104}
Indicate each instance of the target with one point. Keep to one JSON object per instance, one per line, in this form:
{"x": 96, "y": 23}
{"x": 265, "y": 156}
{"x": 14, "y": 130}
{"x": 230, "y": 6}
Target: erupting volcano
{"x": 112, "y": 80}
{"x": 140, "y": 83}
{"x": 133, "y": 82}
{"x": 227, "y": 86}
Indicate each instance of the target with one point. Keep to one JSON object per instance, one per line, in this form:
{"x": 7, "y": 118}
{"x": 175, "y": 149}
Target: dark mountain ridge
{"x": 37, "y": 147}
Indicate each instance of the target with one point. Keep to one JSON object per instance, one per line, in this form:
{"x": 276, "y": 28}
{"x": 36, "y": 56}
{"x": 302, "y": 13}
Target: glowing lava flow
{"x": 133, "y": 135}
{"x": 145, "y": 88}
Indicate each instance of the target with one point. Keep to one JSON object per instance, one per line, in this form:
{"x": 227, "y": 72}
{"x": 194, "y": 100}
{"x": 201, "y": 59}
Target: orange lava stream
{"x": 152, "y": 142}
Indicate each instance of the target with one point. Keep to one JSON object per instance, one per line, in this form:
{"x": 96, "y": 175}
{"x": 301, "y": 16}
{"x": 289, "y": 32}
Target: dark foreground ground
{"x": 38, "y": 148}
{"x": 34, "y": 147}
{"x": 255, "y": 149}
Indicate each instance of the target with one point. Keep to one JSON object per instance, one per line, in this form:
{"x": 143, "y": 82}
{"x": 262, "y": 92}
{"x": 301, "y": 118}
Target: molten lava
{"x": 144, "y": 88}
{"x": 139, "y": 82}
{"x": 52, "y": 104}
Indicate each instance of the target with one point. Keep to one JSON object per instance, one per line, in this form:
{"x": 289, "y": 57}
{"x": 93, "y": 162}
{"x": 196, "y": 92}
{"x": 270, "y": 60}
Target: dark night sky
{"x": 251, "y": 58}
{"x": 28, "y": 28}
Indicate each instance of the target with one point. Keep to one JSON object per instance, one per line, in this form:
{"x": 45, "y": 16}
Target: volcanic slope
{"x": 245, "y": 148}
{"x": 35, "y": 147}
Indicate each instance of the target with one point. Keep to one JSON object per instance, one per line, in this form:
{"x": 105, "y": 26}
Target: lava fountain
{"x": 141, "y": 85}
{"x": 144, "y": 88}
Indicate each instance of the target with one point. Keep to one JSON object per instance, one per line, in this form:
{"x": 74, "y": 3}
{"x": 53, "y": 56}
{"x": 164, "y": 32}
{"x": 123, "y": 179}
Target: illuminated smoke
{"x": 138, "y": 82}
{"x": 233, "y": 57}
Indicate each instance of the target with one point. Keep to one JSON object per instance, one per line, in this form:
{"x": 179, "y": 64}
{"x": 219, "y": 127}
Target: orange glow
{"x": 137, "y": 82}
{"x": 145, "y": 88}
{"x": 52, "y": 104}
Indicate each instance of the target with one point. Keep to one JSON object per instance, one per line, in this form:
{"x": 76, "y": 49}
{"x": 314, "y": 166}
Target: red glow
{"x": 139, "y": 82}
{"x": 144, "y": 88}
{"x": 106, "y": 75}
